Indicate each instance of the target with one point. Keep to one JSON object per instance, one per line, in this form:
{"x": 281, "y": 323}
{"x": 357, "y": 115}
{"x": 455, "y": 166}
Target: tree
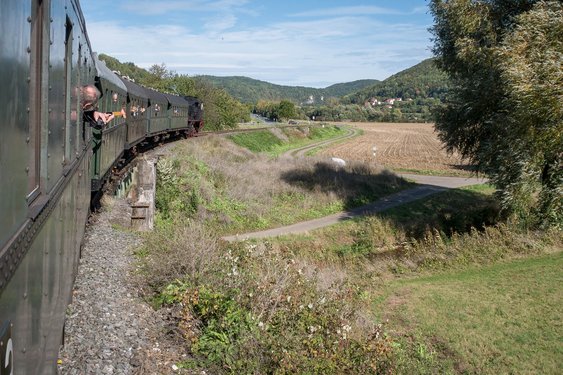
{"x": 504, "y": 111}
{"x": 286, "y": 109}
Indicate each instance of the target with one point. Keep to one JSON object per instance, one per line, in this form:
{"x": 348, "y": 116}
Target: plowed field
{"x": 399, "y": 146}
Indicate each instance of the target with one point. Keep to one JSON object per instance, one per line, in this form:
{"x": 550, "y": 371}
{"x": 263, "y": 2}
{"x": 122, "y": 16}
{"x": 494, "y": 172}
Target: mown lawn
{"x": 500, "y": 319}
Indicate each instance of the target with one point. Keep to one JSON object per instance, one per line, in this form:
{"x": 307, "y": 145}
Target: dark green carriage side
{"x": 159, "y": 121}
{"x": 110, "y": 141}
{"x": 45, "y": 152}
{"x": 178, "y": 109}
{"x": 137, "y": 114}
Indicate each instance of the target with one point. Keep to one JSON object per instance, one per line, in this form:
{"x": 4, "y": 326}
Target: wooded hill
{"x": 423, "y": 80}
{"x": 249, "y": 90}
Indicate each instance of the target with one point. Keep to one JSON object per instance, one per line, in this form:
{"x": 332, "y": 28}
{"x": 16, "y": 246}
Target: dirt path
{"x": 428, "y": 185}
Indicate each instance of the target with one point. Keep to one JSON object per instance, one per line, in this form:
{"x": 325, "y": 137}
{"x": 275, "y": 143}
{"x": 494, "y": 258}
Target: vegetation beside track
{"x": 367, "y": 296}
{"x": 277, "y": 141}
{"x": 234, "y": 190}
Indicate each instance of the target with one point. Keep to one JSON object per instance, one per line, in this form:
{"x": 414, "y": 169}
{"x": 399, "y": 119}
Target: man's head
{"x": 90, "y": 96}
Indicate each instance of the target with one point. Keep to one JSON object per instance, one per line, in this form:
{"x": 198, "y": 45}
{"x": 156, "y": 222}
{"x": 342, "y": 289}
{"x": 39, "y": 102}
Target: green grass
{"x": 470, "y": 302}
{"x": 500, "y": 319}
{"x": 266, "y": 141}
{"x": 455, "y": 210}
{"x": 258, "y": 141}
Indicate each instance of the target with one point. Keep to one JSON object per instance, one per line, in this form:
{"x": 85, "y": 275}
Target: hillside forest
{"x": 407, "y": 96}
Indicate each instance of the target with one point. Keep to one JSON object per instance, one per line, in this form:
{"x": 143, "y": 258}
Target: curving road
{"x": 428, "y": 185}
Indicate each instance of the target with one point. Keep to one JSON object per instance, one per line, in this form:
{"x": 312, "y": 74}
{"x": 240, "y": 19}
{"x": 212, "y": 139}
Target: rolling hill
{"x": 249, "y": 90}
{"x": 423, "y": 80}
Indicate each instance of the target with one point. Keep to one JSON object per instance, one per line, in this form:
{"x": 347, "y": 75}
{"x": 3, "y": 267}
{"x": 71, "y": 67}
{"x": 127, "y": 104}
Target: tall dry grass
{"x": 296, "y": 186}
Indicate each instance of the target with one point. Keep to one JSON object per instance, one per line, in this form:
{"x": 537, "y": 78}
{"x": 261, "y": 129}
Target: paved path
{"x": 428, "y": 185}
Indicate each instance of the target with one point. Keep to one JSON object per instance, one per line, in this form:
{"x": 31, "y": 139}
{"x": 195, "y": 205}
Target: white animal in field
{"x": 339, "y": 161}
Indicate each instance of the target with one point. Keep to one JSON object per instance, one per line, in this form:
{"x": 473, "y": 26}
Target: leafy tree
{"x": 286, "y": 109}
{"x": 505, "y": 110}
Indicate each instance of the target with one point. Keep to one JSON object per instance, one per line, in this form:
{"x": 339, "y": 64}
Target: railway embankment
{"x": 300, "y": 281}
{"x": 109, "y": 329}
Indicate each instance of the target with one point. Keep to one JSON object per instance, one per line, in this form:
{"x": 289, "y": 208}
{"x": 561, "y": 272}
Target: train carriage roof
{"x": 135, "y": 89}
{"x": 105, "y": 73}
{"x": 155, "y": 96}
{"x": 177, "y": 100}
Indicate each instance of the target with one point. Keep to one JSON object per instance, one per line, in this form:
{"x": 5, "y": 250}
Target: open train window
{"x": 80, "y": 125}
{"x": 37, "y": 110}
{"x": 68, "y": 86}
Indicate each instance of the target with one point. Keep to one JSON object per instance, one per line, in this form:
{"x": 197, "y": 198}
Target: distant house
{"x": 373, "y": 102}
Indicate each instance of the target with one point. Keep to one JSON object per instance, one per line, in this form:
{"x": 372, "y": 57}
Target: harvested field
{"x": 400, "y": 146}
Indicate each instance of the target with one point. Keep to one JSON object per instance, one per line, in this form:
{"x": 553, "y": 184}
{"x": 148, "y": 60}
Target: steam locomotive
{"x": 52, "y": 162}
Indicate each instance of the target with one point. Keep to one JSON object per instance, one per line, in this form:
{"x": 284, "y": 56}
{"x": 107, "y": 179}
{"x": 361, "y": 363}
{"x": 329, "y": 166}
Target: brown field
{"x": 401, "y": 146}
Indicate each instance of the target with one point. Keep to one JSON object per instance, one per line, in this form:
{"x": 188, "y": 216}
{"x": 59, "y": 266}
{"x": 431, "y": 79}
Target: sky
{"x": 312, "y": 43}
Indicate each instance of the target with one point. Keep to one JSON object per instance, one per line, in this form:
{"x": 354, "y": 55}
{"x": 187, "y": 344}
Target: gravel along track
{"x": 109, "y": 329}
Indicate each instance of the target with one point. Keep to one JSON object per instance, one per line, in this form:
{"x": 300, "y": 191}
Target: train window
{"x": 37, "y": 116}
{"x": 81, "y": 134}
{"x": 69, "y": 140}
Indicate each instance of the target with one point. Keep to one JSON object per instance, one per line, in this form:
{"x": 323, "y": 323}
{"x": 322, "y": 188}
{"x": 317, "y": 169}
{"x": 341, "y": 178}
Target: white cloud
{"x": 351, "y": 10}
{"x": 159, "y": 7}
{"x": 315, "y": 52}
{"x": 220, "y": 23}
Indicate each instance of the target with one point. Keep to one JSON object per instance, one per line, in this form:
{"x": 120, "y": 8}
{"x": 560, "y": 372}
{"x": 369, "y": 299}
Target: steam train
{"x": 52, "y": 162}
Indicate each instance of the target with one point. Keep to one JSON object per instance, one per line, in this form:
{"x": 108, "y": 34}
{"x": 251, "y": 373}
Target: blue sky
{"x": 314, "y": 43}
